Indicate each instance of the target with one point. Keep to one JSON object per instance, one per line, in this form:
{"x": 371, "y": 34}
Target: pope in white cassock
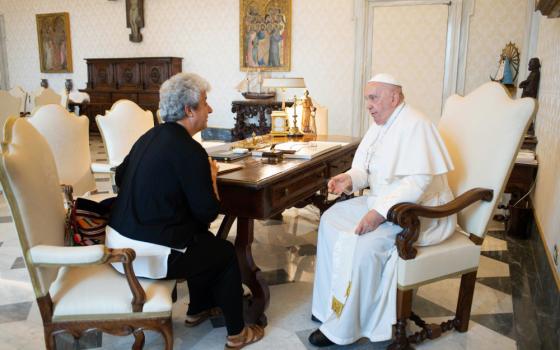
{"x": 402, "y": 158}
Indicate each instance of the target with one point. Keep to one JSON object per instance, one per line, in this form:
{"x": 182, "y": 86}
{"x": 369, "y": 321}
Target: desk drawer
{"x": 300, "y": 186}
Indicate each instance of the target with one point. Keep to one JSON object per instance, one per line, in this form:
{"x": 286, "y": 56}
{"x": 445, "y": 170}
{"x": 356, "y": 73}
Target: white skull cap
{"x": 385, "y": 78}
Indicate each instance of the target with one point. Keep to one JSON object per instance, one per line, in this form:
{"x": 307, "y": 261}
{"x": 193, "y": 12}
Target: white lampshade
{"x": 283, "y": 83}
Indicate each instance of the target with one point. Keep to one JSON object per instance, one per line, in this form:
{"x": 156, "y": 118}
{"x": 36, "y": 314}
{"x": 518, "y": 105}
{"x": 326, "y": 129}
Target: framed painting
{"x": 265, "y": 35}
{"x": 55, "y": 49}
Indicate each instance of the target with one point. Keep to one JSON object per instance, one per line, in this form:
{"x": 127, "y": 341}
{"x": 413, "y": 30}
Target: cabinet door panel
{"x": 128, "y": 75}
{"x": 102, "y": 76}
{"x": 155, "y": 73}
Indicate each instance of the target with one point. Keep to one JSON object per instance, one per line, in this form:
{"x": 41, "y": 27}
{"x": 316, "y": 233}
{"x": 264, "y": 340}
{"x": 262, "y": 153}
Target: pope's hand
{"x": 369, "y": 222}
{"x": 340, "y": 183}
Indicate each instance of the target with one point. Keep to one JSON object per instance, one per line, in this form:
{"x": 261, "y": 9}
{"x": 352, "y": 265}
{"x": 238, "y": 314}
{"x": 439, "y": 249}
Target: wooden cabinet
{"x": 137, "y": 79}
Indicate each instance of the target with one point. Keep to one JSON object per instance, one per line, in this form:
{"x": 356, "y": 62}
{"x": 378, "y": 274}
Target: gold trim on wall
{"x": 263, "y": 22}
{"x": 53, "y": 39}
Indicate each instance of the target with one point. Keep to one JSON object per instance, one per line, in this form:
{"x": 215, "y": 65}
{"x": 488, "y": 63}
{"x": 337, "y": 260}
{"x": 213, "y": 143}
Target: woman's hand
{"x": 214, "y": 167}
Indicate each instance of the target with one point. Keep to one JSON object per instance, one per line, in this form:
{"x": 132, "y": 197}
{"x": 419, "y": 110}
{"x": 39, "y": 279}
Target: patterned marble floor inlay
{"x": 5, "y": 219}
{"x": 515, "y": 303}
{"x": 15, "y": 312}
{"x": 18, "y": 263}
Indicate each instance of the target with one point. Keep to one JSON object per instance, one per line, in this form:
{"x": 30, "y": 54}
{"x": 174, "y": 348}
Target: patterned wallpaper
{"x": 547, "y": 192}
{"x": 204, "y": 33}
{"x": 493, "y": 24}
{"x": 409, "y": 42}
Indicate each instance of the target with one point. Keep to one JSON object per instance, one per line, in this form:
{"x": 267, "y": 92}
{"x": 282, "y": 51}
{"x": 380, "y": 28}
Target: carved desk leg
{"x": 250, "y": 273}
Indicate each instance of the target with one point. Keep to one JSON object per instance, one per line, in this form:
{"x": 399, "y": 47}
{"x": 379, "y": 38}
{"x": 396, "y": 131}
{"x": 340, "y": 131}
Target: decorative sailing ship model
{"x": 251, "y": 87}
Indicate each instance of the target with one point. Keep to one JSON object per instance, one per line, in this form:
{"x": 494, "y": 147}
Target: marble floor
{"x": 516, "y": 304}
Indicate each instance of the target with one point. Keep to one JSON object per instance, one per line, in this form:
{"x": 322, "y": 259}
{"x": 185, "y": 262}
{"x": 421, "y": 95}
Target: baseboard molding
{"x": 547, "y": 251}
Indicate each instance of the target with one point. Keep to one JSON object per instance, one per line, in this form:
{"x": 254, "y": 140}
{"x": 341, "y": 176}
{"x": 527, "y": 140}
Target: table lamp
{"x": 279, "y": 119}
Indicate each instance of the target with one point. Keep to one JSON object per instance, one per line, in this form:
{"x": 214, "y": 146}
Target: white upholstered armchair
{"x": 9, "y": 106}
{"x": 121, "y": 127}
{"x": 482, "y": 132}
{"x": 68, "y": 138}
{"x": 76, "y": 288}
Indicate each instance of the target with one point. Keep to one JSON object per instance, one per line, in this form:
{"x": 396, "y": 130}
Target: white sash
{"x": 343, "y": 258}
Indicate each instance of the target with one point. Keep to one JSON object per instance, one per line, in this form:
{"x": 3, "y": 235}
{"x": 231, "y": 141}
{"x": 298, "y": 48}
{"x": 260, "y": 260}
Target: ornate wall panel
{"x": 547, "y": 192}
{"x": 493, "y": 24}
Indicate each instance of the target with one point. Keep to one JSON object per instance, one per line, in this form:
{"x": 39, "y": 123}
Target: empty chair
{"x": 17, "y": 91}
{"x": 9, "y": 106}
{"x": 45, "y": 97}
{"x": 75, "y": 287}
{"x": 68, "y": 138}
{"x": 482, "y": 132}
{"x": 121, "y": 126}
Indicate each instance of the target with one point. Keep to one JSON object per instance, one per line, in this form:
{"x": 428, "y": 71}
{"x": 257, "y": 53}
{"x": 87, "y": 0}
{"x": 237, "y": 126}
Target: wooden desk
{"x": 259, "y": 191}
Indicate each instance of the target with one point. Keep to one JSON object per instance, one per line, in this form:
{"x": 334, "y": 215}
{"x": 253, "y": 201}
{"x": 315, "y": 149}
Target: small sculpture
{"x": 530, "y": 85}
{"x": 306, "y": 112}
{"x": 44, "y": 83}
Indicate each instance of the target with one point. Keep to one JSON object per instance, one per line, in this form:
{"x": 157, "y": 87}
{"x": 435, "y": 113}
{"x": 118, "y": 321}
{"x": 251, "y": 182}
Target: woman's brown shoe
{"x": 249, "y": 335}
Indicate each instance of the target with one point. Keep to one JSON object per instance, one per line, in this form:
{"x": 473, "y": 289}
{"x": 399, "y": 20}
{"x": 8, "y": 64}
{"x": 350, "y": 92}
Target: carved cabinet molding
{"x": 136, "y": 78}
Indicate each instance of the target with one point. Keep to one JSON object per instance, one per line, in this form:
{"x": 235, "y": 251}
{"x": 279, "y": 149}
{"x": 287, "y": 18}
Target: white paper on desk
{"x": 228, "y": 167}
{"x": 304, "y": 150}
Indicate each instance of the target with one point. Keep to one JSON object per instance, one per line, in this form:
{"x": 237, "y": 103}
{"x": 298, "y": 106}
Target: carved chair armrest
{"x": 406, "y": 215}
{"x": 44, "y": 255}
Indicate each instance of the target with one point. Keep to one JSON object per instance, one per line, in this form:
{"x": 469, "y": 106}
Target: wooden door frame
{"x": 455, "y": 52}
{"x": 3, "y": 56}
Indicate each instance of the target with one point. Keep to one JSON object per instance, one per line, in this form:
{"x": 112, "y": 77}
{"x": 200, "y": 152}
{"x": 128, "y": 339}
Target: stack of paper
{"x": 303, "y": 150}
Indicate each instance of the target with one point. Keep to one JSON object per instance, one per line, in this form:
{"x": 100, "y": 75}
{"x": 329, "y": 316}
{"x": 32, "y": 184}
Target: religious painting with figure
{"x": 55, "y": 50}
{"x": 265, "y": 34}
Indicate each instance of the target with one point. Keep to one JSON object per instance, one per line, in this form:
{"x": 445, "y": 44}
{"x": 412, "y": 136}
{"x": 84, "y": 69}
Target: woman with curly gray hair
{"x": 167, "y": 199}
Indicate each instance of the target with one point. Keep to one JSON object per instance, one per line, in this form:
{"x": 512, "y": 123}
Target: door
{"x": 417, "y": 41}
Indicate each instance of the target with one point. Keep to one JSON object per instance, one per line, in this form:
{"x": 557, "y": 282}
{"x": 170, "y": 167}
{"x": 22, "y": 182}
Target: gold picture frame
{"x": 55, "y": 48}
{"x": 265, "y": 35}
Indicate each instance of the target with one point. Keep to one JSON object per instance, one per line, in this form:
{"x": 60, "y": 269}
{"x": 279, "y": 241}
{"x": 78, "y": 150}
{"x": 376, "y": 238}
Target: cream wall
{"x": 205, "y": 33}
{"x": 547, "y": 192}
{"x": 494, "y": 23}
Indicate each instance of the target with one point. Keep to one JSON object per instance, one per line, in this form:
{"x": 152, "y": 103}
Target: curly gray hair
{"x": 180, "y": 91}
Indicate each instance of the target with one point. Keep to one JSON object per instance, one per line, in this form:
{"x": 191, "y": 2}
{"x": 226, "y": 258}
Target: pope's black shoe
{"x": 317, "y": 338}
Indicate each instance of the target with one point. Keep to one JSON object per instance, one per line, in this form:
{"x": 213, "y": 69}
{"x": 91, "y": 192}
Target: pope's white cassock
{"x": 403, "y": 160}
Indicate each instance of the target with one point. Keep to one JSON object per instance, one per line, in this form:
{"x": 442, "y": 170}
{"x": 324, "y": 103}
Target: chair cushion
{"x": 456, "y": 254}
{"x": 100, "y": 290}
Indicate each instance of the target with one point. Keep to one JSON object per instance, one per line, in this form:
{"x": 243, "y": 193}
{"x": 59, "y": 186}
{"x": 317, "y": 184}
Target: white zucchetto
{"x": 385, "y": 78}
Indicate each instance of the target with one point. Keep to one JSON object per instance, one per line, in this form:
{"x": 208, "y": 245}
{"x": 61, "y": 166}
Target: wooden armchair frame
{"x": 135, "y": 326}
{"x": 406, "y": 215}
{"x": 38, "y": 214}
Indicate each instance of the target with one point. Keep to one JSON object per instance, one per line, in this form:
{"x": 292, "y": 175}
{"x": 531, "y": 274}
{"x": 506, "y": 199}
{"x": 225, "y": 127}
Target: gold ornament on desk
{"x": 279, "y": 119}
{"x": 294, "y": 130}
{"x": 307, "y": 114}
